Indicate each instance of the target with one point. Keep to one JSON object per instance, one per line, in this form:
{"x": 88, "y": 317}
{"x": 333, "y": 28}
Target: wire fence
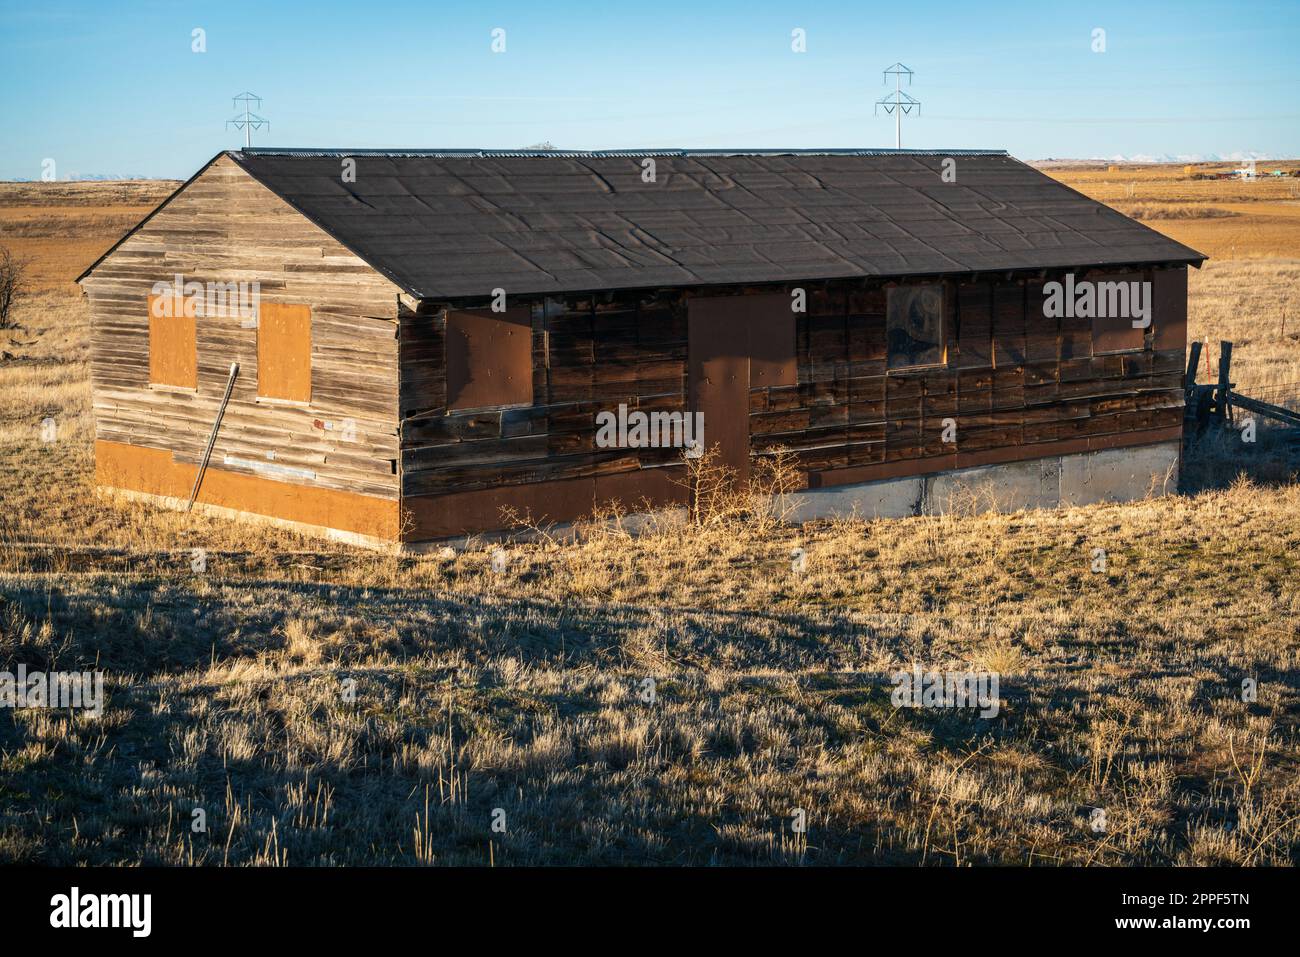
{"x": 1284, "y": 394}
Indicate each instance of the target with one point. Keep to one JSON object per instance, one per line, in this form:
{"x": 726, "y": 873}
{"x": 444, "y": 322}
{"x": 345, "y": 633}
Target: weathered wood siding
{"x": 460, "y": 469}
{"x": 1016, "y": 384}
{"x": 588, "y": 356}
{"x": 226, "y": 227}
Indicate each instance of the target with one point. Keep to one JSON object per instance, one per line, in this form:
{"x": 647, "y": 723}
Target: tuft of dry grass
{"x": 1149, "y": 211}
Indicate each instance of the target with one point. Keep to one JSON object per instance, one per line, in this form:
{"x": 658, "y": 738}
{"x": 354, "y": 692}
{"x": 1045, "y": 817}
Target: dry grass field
{"x": 1225, "y": 219}
{"x": 324, "y": 705}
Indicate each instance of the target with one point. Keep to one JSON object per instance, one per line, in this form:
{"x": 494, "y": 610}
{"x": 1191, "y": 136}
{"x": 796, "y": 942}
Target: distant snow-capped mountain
{"x": 1235, "y": 157}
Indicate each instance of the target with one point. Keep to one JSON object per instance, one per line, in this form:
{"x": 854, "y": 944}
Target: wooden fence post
{"x": 1225, "y": 382}
{"x": 1193, "y": 357}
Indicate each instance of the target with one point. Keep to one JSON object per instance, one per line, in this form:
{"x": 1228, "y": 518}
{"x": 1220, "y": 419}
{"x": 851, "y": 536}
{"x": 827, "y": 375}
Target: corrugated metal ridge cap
{"x": 601, "y": 154}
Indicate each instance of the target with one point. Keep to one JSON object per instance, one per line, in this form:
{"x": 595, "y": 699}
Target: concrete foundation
{"x": 1111, "y": 475}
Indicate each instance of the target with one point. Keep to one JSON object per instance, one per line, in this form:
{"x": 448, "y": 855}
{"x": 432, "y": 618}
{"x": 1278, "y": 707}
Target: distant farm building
{"x": 424, "y": 338}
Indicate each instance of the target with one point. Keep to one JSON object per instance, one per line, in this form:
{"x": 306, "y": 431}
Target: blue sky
{"x": 112, "y": 87}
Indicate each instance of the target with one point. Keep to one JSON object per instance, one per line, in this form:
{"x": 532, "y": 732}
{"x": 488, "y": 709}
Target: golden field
{"x": 525, "y": 692}
{"x": 1263, "y": 215}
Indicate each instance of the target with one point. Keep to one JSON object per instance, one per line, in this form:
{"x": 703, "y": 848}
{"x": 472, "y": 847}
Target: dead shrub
{"x": 12, "y": 285}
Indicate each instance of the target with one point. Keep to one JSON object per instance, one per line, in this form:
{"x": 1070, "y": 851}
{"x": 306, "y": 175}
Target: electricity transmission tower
{"x": 898, "y": 102}
{"x": 248, "y": 120}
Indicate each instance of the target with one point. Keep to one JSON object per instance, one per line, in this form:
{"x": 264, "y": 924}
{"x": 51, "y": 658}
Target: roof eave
{"x": 472, "y": 300}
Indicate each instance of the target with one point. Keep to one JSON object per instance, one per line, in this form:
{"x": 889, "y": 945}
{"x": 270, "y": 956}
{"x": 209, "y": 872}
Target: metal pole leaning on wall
{"x": 212, "y": 437}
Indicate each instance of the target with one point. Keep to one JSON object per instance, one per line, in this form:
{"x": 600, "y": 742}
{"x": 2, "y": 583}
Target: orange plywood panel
{"x": 155, "y": 472}
{"x": 284, "y": 352}
{"x": 173, "y": 351}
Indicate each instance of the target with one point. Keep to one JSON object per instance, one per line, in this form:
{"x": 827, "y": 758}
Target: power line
{"x": 898, "y": 102}
{"x": 248, "y": 120}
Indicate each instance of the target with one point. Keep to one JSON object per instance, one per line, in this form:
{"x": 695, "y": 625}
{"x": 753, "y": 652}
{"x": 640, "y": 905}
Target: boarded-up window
{"x": 489, "y": 358}
{"x": 914, "y": 326}
{"x": 1169, "y": 308}
{"x": 284, "y": 352}
{"x": 770, "y": 325}
{"x": 1118, "y": 302}
{"x": 173, "y": 353}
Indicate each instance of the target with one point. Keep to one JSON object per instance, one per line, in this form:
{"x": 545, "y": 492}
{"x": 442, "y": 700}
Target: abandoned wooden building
{"x": 395, "y": 345}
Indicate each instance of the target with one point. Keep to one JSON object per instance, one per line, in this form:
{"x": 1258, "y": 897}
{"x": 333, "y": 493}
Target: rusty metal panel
{"x": 561, "y": 500}
{"x": 719, "y": 377}
{"x": 284, "y": 352}
{"x": 654, "y": 488}
{"x": 489, "y": 358}
{"x": 1115, "y": 333}
{"x": 1169, "y": 308}
{"x": 770, "y": 324}
{"x": 173, "y": 350}
{"x": 490, "y": 509}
